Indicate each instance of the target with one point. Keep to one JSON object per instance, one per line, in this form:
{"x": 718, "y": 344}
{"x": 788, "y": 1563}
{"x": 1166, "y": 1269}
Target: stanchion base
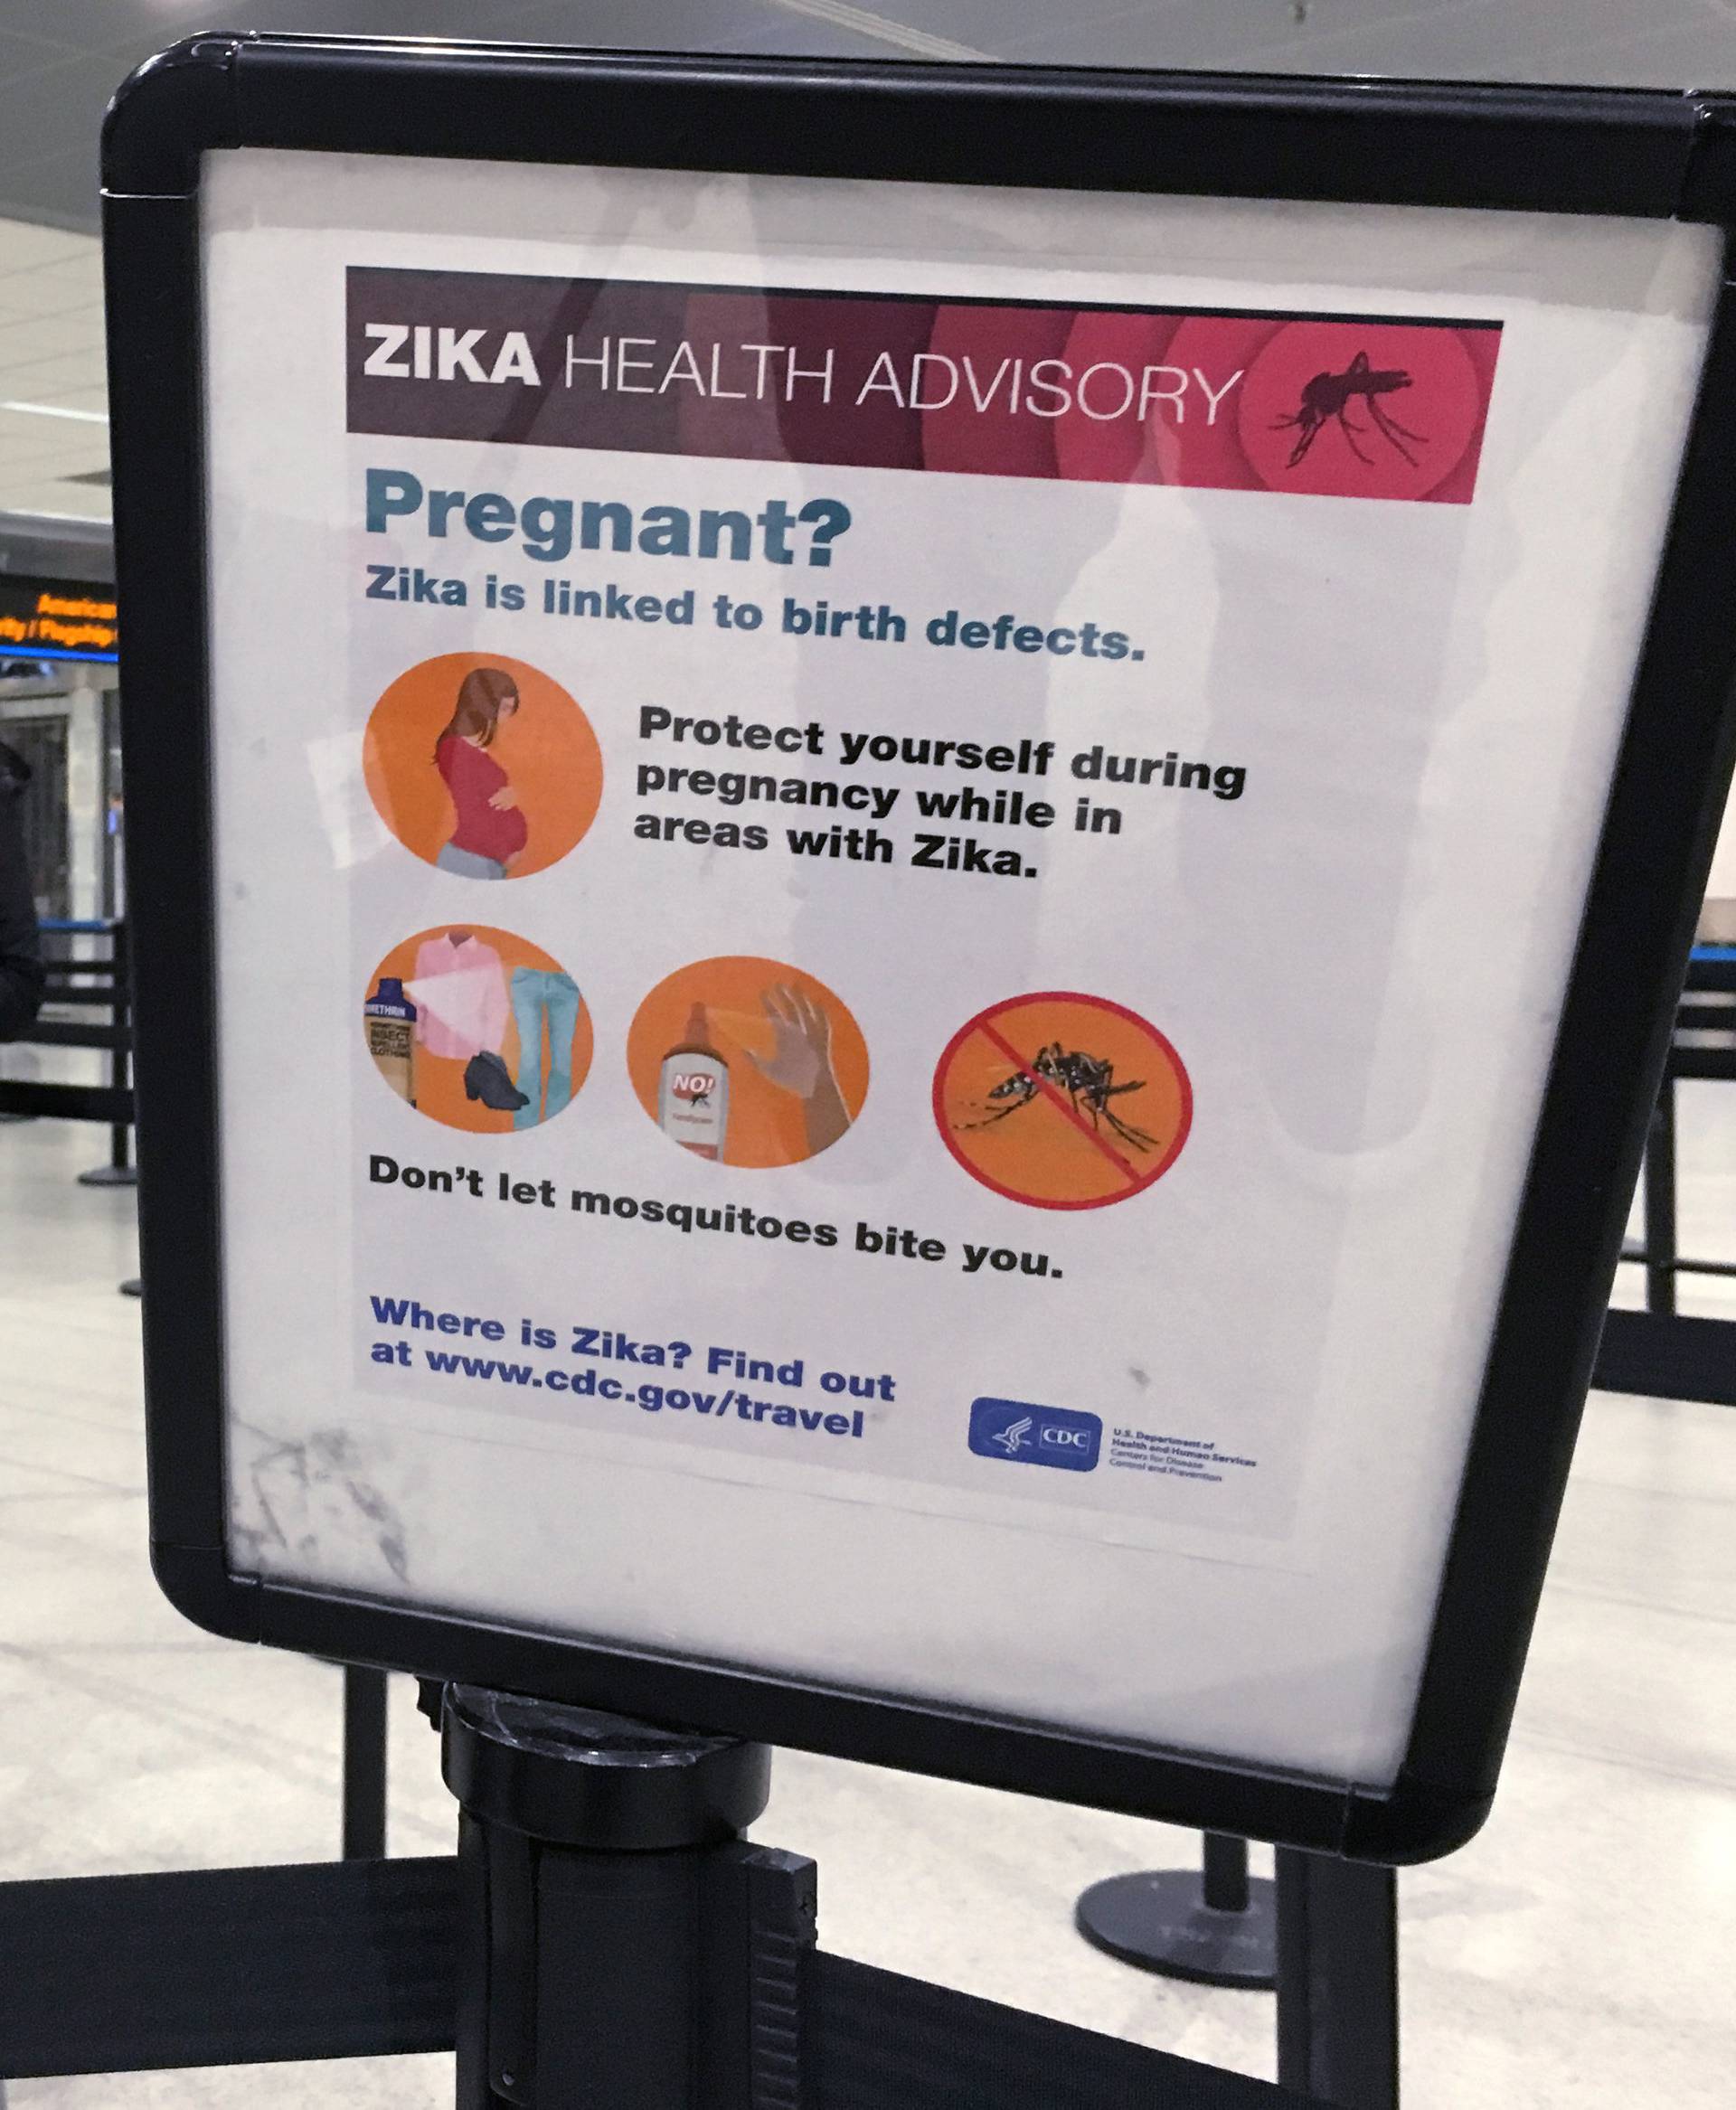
{"x": 1160, "y": 1921}
{"x": 109, "y": 1176}
{"x": 132, "y": 1286}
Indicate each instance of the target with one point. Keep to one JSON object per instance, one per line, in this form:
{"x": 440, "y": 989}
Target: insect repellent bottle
{"x": 388, "y": 1022}
{"x": 693, "y": 1090}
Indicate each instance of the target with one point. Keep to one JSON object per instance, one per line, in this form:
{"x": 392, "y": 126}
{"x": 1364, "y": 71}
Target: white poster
{"x": 895, "y": 869}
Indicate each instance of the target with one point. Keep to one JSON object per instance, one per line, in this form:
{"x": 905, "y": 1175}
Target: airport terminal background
{"x": 1575, "y": 1956}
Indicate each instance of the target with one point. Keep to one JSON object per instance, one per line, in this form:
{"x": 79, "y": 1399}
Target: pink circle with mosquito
{"x": 1345, "y": 410}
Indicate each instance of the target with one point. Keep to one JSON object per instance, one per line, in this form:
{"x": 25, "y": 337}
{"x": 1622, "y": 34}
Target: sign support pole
{"x": 1338, "y": 1980}
{"x": 119, "y": 1171}
{"x": 1660, "y": 1202}
{"x": 621, "y": 1948}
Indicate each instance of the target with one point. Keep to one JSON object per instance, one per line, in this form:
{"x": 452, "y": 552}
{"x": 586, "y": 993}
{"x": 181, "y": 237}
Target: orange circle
{"x": 498, "y": 989}
{"x": 546, "y": 748}
{"x": 795, "y": 1081}
{"x": 1037, "y": 1131}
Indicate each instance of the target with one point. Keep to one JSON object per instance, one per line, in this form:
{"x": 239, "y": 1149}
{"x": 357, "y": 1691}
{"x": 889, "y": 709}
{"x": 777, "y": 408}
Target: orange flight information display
{"x": 57, "y": 618}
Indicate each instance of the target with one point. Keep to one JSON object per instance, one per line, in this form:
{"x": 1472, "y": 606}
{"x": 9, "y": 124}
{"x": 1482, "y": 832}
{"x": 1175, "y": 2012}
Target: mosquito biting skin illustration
{"x": 1327, "y": 398}
{"x": 1088, "y": 1082}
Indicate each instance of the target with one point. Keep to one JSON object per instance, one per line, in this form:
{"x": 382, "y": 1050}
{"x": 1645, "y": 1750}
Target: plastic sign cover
{"x": 895, "y": 867}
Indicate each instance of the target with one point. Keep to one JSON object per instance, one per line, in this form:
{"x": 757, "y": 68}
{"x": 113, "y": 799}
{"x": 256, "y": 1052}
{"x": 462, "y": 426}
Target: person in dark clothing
{"x": 21, "y": 951}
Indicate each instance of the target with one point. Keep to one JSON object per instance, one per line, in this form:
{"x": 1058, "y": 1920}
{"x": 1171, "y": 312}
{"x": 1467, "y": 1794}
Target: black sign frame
{"x": 1651, "y": 155}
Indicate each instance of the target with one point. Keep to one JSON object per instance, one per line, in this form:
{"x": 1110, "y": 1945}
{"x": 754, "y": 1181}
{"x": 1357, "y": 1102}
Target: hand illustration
{"x": 802, "y": 1042}
{"x": 504, "y": 799}
{"x": 801, "y": 1063}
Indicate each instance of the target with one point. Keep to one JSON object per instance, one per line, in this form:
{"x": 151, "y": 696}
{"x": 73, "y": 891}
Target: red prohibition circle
{"x": 1109, "y": 1172}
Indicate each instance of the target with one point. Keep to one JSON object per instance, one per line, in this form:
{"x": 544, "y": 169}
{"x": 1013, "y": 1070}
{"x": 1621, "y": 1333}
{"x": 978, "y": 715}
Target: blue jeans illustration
{"x": 470, "y": 863}
{"x": 537, "y": 995}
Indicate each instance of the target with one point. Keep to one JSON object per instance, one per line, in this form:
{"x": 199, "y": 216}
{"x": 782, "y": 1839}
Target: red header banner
{"x": 1330, "y": 406}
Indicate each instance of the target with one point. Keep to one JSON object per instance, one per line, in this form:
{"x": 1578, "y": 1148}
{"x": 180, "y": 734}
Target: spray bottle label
{"x": 694, "y": 1100}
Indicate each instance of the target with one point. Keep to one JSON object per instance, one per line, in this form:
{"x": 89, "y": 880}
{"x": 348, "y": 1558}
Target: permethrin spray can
{"x": 693, "y": 1090}
{"x": 388, "y": 1021}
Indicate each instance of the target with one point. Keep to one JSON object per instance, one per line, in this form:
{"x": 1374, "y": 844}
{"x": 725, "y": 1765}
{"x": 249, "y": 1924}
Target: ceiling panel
{"x": 51, "y": 354}
{"x": 975, "y": 26}
{"x": 20, "y": 53}
{"x": 825, "y": 27}
{"x": 59, "y": 61}
{"x": 386, "y": 18}
{"x": 1557, "y": 40}
{"x": 95, "y": 25}
{"x": 696, "y": 23}
{"x": 805, "y": 36}
{"x": 48, "y": 108}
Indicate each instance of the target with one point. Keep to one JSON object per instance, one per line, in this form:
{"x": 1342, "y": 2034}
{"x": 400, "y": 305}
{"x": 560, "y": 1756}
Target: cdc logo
{"x": 1027, "y": 1434}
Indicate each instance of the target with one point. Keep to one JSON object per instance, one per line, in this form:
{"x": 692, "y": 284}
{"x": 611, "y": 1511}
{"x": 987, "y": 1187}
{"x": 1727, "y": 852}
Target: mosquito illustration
{"x": 1088, "y": 1082}
{"x": 1328, "y": 396}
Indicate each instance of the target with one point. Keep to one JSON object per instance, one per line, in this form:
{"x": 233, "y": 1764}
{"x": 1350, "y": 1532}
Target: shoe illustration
{"x": 486, "y": 1078}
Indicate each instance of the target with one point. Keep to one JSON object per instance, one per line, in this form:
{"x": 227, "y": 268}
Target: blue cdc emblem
{"x": 1026, "y": 1434}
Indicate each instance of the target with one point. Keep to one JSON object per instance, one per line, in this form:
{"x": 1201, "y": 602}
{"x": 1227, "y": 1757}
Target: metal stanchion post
{"x": 1214, "y": 1929}
{"x": 624, "y": 1950}
{"x": 365, "y": 1763}
{"x": 119, "y": 1171}
{"x": 1338, "y": 1980}
{"x": 1660, "y": 1202}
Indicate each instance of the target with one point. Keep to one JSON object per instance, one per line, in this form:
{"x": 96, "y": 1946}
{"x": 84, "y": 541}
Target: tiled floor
{"x": 1576, "y": 1956}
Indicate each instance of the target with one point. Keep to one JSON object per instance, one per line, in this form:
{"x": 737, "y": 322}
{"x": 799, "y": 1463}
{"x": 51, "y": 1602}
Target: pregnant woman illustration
{"x": 489, "y": 831}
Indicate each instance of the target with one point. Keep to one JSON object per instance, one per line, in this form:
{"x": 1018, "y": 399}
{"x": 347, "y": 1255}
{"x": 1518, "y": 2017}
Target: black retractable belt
{"x": 605, "y": 1940}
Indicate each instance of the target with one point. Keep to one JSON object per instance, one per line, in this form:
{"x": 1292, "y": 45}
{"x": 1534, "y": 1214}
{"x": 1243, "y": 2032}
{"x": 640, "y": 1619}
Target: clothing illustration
{"x": 466, "y": 864}
{"x": 459, "y": 990}
{"x": 539, "y": 997}
{"x": 476, "y": 1029}
{"x": 485, "y": 1077}
{"x": 485, "y": 771}
{"x": 474, "y": 778}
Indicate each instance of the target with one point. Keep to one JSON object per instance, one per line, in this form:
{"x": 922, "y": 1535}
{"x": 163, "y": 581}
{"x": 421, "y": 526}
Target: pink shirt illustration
{"x": 460, "y": 992}
{"x": 472, "y": 777}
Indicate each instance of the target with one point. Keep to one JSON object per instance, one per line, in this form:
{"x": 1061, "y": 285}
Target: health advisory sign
{"x": 895, "y": 868}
